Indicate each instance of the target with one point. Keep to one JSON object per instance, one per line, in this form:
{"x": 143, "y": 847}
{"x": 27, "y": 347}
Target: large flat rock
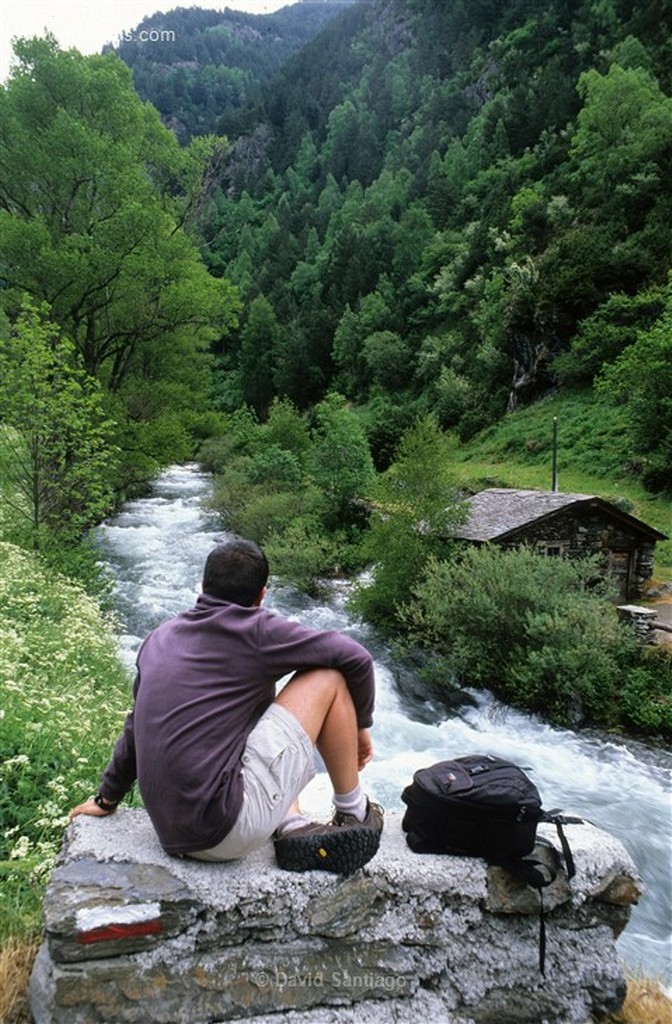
{"x": 133, "y": 935}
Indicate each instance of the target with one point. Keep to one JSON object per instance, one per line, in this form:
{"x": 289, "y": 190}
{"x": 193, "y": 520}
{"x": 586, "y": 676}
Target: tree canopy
{"x": 437, "y": 213}
{"x": 97, "y": 208}
{"x": 92, "y": 192}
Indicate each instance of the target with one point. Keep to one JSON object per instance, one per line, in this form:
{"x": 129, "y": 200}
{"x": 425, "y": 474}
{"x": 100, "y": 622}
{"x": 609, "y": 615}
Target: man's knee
{"x": 314, "y": 688}
{"x": 310, "y": 695}
{"x": 330, "y": 678}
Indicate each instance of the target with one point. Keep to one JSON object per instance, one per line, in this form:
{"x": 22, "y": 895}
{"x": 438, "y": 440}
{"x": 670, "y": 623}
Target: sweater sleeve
{"x": 120, "y": 774}
{"x": 287, "y": 646}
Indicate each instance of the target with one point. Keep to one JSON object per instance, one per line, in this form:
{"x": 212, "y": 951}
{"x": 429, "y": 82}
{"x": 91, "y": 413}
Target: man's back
{"x": 204, "y": 679}
{"x": 220, "y": 758}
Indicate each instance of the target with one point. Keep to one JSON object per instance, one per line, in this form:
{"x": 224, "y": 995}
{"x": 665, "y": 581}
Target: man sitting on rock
{"x": 219, "y": 758}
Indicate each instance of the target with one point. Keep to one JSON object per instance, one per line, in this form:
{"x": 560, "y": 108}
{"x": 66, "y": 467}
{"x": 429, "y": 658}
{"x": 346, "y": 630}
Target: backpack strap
{"x": 537, "y": 874}
{"x": 557, "y": 818}
{"x": 542, "y": 935}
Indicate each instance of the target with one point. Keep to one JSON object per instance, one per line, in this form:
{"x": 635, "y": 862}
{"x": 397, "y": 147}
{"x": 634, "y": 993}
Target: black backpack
{"x": 484, "y": 806}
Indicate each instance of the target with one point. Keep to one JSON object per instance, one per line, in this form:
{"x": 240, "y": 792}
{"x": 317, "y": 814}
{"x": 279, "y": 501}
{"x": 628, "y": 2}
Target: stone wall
{"x": 582, "y": 533}
{"x": 133, "y": 936}
{"x": 641, "y": 620}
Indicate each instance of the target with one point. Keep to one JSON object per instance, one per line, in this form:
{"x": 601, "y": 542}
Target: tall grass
{"x": 63, "y": 697}
{"x": 16, "y": 960}
{"x": 645, "y": 1003}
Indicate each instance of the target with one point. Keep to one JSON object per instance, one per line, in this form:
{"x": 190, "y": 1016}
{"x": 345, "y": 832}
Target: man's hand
{"x": 89, "y": 807}
{"x": 364, "y": 748}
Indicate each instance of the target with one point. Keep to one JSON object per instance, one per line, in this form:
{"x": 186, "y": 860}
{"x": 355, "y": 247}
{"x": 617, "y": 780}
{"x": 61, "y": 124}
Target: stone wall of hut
{"x": 573, "y": 535}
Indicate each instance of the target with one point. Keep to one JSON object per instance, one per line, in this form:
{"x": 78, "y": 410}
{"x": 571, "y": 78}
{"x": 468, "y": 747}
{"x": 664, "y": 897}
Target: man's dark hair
{"x": 236, "y": 571}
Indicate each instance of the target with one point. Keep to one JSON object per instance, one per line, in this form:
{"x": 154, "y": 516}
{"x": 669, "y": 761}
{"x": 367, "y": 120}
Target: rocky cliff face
{"x": 132, "y": 935}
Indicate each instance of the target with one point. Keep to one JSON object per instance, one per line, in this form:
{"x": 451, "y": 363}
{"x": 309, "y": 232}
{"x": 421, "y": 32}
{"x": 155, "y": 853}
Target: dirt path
{"x": 663, "y": 610}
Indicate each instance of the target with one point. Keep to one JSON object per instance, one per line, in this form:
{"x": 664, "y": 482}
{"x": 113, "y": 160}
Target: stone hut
{"x": 566, "y": 525}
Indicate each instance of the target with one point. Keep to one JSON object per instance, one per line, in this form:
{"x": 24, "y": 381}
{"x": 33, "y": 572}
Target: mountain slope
{"x": 195, "y": 64}
{"x": 463, "y": 208}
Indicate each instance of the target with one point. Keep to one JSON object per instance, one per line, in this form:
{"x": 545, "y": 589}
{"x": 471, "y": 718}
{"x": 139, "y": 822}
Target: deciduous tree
{"x": 258, "y": 339}
{"x": 341, "y": 462}
{"x": 642, "y": 377}
{"x": 93, "y": 190}
{"x": 415, "y": 508}
{"x": 55, "y": 446}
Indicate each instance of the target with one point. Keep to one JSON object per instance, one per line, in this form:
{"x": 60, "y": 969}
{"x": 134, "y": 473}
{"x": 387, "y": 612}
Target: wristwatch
{"x": 105, "y": 805}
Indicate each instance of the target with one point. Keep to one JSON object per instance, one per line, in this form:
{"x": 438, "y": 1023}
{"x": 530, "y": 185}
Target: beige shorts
{"x": 278, "y": 762}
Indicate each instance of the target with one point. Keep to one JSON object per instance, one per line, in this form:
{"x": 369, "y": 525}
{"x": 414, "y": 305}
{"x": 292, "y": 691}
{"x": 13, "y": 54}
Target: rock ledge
{"x": 133, "y": 936}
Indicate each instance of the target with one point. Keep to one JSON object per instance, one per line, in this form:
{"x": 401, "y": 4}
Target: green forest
{"x": 204, "y": 66}
{"x": 419, "y": 226}
{"x": 353, "y": 258}
{"x": 462, "y": 210}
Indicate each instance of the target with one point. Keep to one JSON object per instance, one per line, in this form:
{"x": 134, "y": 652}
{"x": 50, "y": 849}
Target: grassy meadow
{"x": 518, "y": 452}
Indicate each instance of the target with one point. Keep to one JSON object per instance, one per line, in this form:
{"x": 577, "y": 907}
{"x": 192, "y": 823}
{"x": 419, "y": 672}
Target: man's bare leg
{"x": 320, "y": 701}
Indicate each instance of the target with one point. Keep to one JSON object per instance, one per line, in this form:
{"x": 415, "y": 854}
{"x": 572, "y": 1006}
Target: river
{"x": 156, "y": 547}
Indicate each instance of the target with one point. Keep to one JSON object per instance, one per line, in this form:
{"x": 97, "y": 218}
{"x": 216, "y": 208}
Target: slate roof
{"x": 499, "y": 511}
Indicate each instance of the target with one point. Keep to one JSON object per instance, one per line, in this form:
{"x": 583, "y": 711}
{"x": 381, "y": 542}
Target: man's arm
{"x": 364, "y": 748}
{"x": 117, "y": 779}
{"x": 287, "y": 646}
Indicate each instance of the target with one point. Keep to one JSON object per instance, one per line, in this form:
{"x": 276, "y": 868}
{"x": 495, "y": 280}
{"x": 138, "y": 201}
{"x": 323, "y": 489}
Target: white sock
{"x": 291, "y": 823}
{"x": 354, "y": 802}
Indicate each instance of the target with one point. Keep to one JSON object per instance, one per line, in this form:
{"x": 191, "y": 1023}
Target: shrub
{"x": 575, "y": 657}
{"x": 645, "y": 693}
{"x": 275, "y": 466}
{"x": 263, "y": 511}
{"x": 241, "y": 438}
{"x": 541, "y": 633}
{"x": 214, "y": 454}
{"x": 287, "y": 428}
{"x": 263, "y": 489}
{"x": 303, "y": 555}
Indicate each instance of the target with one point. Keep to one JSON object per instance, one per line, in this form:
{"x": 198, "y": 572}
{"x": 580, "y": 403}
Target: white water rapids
{"x": 156, "y": 548}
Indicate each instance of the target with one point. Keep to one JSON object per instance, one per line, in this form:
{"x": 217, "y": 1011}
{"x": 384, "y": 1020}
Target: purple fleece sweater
{"x": 204, "y": 679}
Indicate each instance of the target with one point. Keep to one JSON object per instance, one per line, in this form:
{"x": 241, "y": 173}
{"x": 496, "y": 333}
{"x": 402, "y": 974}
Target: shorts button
{"x": 276, "y": 797}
